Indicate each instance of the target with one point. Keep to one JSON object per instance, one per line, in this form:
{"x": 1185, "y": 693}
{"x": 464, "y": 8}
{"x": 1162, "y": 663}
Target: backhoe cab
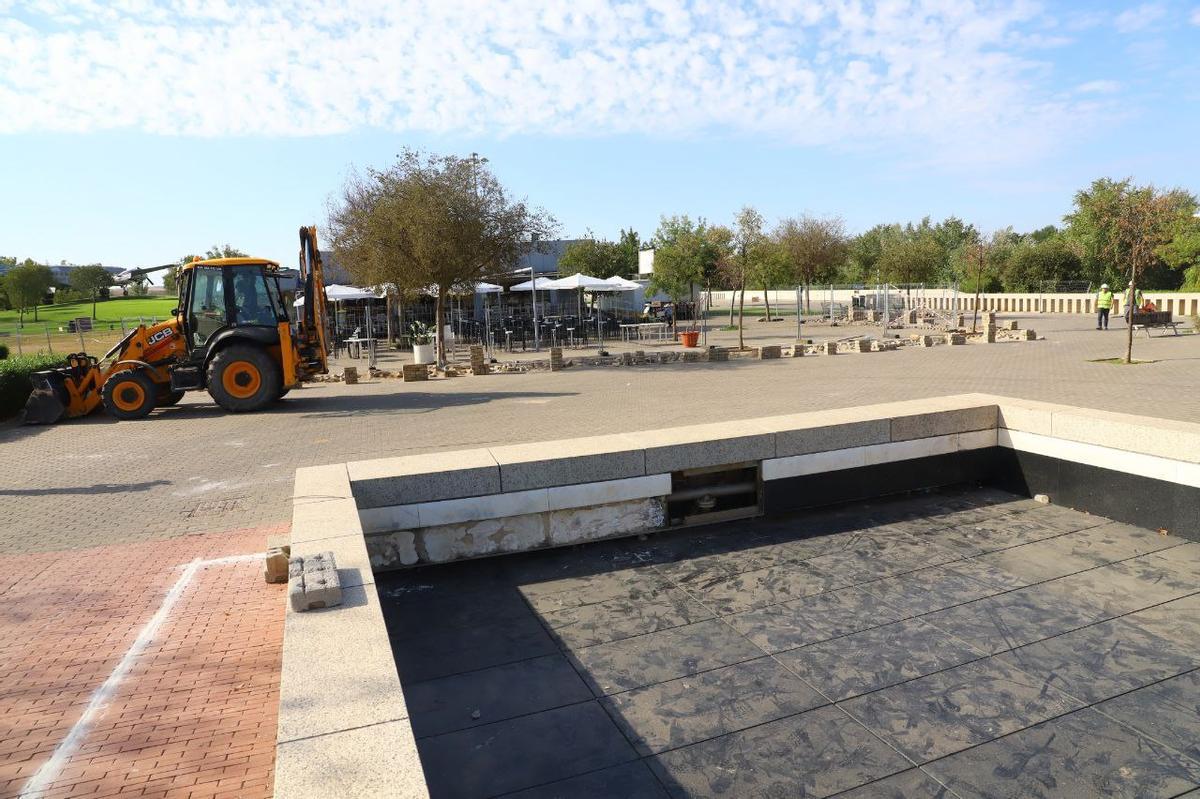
{"x": 231, "y": 334}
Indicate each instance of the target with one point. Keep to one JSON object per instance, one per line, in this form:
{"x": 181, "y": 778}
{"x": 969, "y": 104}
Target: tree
{"x": 597, "y": 258}
{"x": 909, "y": 256}
{"x": 91, "y": 281}
{"x": 1034, "y": 265}
{"x": 629, "y": 244}
{"x": 750, "y": 250}
{"x": 1113, "y": 218}
{"x": 139, "y": 286}
{"x": 864, "y": 252}
{"x": 27, "y": 286}
{"x": 812, "y": 249}
{"x": 432, "y": 220}
{"x": 685, "y": 256}
{"x": 1122, "y": 228}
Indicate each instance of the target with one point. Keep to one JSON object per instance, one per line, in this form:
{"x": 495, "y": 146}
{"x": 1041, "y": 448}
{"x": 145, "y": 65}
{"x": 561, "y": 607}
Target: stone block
{"x": 804, "y": 433}
{"x": 350, "y": 375}
{"x": 414, "y": 372}
{"x": 323, "y": 482}
{"x": 627, "y": 359}
{"x": 573, "y": 460}
{"x": 829, "y": 348}
{"x": 989, "y": 334}
{"x": 696, "y": 446}
{"x": 860, "y": 345}
{"x": 275, "y": 566}
{"x": 960, "y": 321}
{"x": 770, "y": 351}
{"x": 797, "y": 350}
{"x": 574, "y": 525}
{"x": 316, "y": 583}
{"x": 717, "y": 354}
{"x": 943, "y": 421}
{"x": 1027, "y": 335}
{"x": 956, "y": 338}
{"x": 1011, "y": 324}
{"x": 556, "y": 359}
{"x": 424, "y": 478}
{"x": 349, "y": 554}
{"x": 924, "y": 341}
{"x": 690, "y": 356}
{"x": 315, "y": 518}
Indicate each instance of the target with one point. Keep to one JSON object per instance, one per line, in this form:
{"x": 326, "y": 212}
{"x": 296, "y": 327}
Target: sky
{"x": 134, "y": 132}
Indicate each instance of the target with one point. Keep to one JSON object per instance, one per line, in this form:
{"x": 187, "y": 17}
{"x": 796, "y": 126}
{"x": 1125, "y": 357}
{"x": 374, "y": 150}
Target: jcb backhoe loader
{"x": 231, "y": 334}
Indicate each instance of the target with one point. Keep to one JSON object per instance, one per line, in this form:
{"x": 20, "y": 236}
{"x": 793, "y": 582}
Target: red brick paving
{"x": 196, "y": 714}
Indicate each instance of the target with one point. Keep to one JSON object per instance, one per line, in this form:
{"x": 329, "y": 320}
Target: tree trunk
{"x": 741, "y": 311}
{"x": 767, "y": 300}
{"x": 440, "y": 329}
{"x": 1130, "y": 308}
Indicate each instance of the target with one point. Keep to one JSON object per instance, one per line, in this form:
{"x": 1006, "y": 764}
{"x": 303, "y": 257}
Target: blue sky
{"x": 134, "y": 131}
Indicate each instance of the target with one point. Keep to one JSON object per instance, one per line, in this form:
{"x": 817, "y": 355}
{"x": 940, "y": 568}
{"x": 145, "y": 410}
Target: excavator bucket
{"x": 49, "y": 401}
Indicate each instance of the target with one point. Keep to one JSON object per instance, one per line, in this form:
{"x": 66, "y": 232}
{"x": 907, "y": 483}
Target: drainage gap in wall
{"x": 714, "y": 494}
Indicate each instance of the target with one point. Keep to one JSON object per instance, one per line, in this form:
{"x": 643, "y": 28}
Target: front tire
{"x": 129, "y": 395}
{"x": 243, "y": 378}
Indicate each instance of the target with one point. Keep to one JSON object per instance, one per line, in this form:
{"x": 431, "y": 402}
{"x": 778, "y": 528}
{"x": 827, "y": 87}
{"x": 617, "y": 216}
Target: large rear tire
{"x": 129, "y": 395}
{"x": 243, "y": 378}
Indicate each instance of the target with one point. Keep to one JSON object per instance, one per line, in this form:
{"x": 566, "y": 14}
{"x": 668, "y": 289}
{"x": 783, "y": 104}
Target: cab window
{"x": 207, "y": 312}
{"x": 252, "y": 299}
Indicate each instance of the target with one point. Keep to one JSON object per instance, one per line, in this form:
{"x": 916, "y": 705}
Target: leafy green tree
{"x": 865, "y": 250}
{"x": 629, "y": 244}
{"x": 686, "y": 255}
{"x": 1182, "y": 252}
{"x": 594, "y": 257}
{"x": 1120, "y": 226}
{"x": 27, "y": 286}
{"x": 751, "y": 249}
{"x": 91, "y": 281}
{"x": 910, "y": 256}
{"x": 1034, "y": 265}
{"x": 432, "y": 220}
{"x": 812, "y": 249}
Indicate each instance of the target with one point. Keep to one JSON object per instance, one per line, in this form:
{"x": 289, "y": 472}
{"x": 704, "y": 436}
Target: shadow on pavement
{"x": 98, "y": 488}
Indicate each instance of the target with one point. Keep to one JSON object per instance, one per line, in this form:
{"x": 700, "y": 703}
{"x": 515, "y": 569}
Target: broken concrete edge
{"x": 343, "y": 725}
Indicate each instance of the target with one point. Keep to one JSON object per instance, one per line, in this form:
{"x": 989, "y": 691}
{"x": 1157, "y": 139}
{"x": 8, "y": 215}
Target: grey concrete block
{"x": 839, "y": 430}
{"x": 575, "y": 460}
{"x": 943, "y": 422}
{"x": 424, "y": 478}
{"x": 675, "y": 449}
{"x": 314, "y": 582}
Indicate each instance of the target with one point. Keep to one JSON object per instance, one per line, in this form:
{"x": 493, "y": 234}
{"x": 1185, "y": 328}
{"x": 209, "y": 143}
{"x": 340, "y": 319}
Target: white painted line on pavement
{"x": 44, "y": 776}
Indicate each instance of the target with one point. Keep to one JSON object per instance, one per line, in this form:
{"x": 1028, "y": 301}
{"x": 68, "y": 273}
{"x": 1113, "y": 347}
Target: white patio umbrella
{"x": 619, "y": 283}
{"x": 542, "y": 284}
{"x": 488, "y": 288}
{"x": 582, "y": 283}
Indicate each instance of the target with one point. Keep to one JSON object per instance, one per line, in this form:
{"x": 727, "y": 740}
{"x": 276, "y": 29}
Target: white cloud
{"x": 1195, "y": 18}
{"x": 1098, "y": 87}
{"x": 1140, "y": 17}
{"x": 941, "y": 72}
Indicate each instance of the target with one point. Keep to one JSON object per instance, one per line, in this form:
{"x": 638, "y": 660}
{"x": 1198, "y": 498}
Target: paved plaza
{"x": 965, "y": 640}
{"x": 116, "y": 511}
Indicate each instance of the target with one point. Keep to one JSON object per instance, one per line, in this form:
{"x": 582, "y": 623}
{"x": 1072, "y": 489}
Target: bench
{"x": 1148, "y": 319}
{"x": 82, "y": 323}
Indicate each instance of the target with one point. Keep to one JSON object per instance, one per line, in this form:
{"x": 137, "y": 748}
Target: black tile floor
{"x": 964, "y": 643}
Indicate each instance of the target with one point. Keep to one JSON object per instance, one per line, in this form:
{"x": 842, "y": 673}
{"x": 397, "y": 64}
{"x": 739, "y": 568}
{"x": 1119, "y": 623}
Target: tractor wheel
{"x": 168, "y": 398}
{"x": 130, "y": 395}
{"x": 242, "y": 377}
{"x": 282, "y": 393}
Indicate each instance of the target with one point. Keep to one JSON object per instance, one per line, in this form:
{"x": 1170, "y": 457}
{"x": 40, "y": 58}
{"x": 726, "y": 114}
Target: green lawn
{"x": 106, "y": 311}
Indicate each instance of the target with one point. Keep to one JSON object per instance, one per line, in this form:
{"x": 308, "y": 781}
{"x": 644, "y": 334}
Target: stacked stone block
{"x": 313, "y": 582}
{"x": 556, "y": 359}
{"x": 478, "y": 362}
{"x": 770, "y": 351}
{"x": 413, "y": 372}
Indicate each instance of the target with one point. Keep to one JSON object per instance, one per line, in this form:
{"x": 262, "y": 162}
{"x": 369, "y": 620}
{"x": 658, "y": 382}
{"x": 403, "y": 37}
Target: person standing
{"x": 1132, "y": 303}
{"x": 1104, "y": 302}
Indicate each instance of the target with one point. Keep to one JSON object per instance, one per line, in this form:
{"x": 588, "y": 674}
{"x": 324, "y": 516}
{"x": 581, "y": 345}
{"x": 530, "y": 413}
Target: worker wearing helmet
{"x": 1104, "y": 302}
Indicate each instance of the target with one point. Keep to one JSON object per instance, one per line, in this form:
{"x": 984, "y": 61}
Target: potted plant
{"x": 422, "y": 340}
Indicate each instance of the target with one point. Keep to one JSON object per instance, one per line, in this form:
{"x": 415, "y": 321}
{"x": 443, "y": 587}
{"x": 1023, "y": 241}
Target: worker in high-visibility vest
{"x": 1132, "y": 303}
{"x": 1104, "y": 303}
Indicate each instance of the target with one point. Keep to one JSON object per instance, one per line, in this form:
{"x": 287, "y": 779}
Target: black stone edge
{"x": 1120, "y": 496}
